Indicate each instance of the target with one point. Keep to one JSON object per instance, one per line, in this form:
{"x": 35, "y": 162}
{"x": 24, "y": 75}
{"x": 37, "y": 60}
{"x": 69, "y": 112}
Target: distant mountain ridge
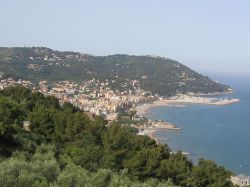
{"x": 156, "y": 74}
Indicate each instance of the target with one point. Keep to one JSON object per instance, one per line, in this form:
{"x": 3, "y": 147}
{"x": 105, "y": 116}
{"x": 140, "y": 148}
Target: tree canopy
{"x": 66, "y": 148}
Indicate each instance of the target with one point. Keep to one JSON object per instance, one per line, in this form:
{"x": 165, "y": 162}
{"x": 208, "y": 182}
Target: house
{"x": 240, "y": 180}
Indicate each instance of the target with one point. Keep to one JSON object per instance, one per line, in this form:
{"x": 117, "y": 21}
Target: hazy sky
{"x": 209, "y": 35}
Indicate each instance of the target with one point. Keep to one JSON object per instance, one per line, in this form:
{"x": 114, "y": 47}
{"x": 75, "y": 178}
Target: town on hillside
{"x": 127, "y": 106}
{"x": 93, "y": 96}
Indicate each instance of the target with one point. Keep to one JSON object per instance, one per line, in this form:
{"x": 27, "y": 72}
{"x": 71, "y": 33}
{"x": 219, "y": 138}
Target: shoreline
{"x": 152, "y": 135}
{"x": 153, "y": 126}
{"x": 182, "y": 101}
{"x": 143, "y": 110}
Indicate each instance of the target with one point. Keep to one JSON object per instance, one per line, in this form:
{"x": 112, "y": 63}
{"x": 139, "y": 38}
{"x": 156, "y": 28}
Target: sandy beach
{"x": 142, "y": 110}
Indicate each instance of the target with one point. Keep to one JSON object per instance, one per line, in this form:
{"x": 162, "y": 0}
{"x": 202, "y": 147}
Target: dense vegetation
{"x": 63, "y": 147}
{"x": 155, "y": 74}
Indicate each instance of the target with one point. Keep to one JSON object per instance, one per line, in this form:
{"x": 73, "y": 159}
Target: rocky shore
{"x": 152, "y": 126}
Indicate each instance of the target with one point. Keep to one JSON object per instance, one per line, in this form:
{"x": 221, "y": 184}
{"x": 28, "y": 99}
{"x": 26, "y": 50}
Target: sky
{"x": 210, "y": 36}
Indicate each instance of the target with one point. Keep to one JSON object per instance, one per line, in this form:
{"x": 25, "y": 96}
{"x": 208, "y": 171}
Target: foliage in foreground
{"x": 84, "y": 151}
{"x": 43, "y": 169}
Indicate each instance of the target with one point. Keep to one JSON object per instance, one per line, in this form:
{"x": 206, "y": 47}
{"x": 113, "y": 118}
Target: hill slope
{"x": 45, "y": 144}
{"x": 155, "y": 74}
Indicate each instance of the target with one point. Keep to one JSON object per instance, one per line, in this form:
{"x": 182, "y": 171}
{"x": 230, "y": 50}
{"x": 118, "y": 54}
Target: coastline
{"x": 143, "y": 110}
{"x": 153, "y": 126}
{"x": 182, "y": 101}
{"x": 152, "y": 135}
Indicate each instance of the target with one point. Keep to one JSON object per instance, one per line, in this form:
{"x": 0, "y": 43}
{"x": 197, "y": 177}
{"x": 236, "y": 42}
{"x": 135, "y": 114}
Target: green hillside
{"x": 156, "y": 74}
{"x": 45, "y": 144}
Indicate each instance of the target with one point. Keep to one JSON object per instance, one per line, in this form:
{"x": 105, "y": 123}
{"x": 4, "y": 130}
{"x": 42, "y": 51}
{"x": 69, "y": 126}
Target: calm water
{"x": 220, "y": 133}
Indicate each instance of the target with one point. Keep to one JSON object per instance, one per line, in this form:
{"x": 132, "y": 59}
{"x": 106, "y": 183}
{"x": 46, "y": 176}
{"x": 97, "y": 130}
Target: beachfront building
{"x": 240, "y": 180}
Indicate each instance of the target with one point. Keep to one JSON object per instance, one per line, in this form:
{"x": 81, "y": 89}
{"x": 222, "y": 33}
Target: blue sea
{"x": 219, "y": 133}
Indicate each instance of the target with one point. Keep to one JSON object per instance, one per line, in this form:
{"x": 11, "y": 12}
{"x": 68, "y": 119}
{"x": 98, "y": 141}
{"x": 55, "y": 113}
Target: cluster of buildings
{"x": 4, "y": 83}
{"x": 93, "y": 96}
{"x": 54, "y": 58}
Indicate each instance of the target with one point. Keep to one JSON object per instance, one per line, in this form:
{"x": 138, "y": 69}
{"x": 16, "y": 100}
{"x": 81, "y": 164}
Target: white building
{"x": 240, "y": 180}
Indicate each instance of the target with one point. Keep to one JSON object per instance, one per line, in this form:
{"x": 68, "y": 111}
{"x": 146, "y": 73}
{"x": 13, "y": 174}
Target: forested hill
{"x": 45, "y": 144}
{"x": 156, "y": 74}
